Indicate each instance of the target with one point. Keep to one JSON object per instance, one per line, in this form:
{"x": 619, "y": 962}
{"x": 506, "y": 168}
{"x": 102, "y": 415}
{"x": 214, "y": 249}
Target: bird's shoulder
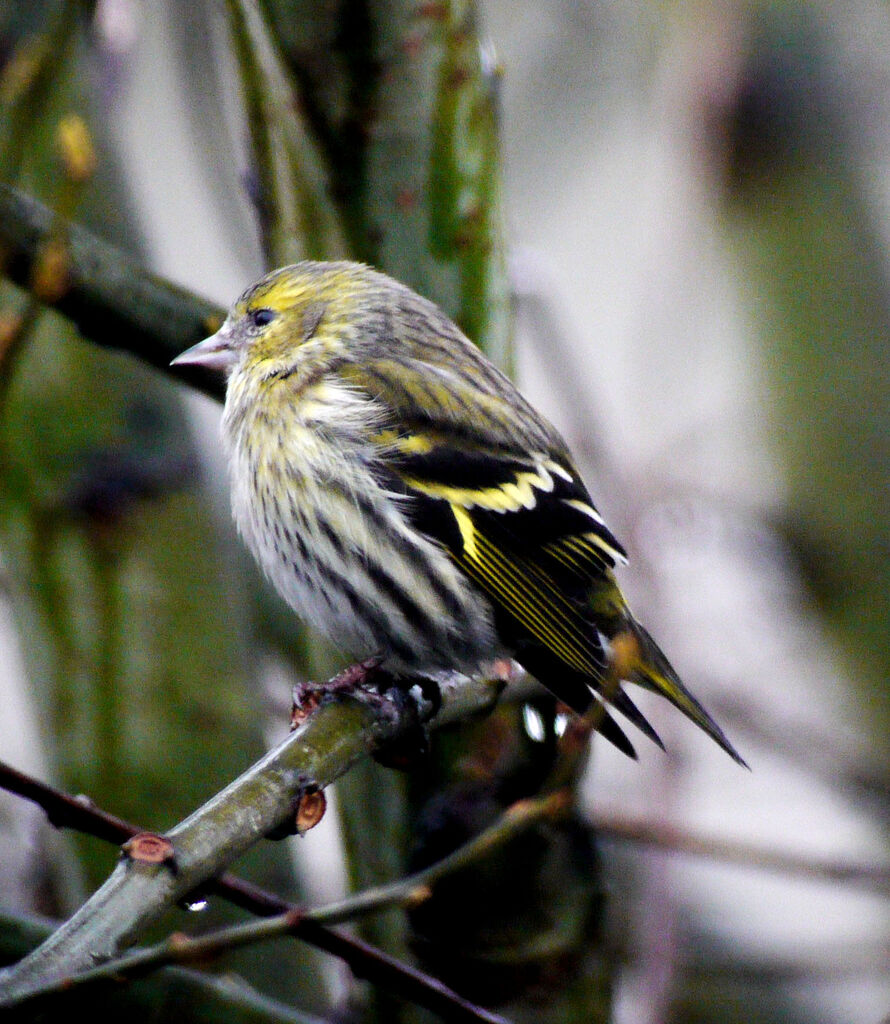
{"x": 459, "y": 397}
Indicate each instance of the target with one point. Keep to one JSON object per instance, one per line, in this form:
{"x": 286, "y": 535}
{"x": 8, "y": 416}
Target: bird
{"x": 404, "y": 498}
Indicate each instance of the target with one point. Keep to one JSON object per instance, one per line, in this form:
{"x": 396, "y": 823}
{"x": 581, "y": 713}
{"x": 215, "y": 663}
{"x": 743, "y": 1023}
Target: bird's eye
{"x": 261, "y": 317}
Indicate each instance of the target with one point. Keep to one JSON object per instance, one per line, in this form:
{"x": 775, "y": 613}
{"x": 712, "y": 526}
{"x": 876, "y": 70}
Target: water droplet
{"x": 533, "y": 722}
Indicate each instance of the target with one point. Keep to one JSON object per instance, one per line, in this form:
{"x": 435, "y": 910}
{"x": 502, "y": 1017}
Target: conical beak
{"x": 215, "y": 353}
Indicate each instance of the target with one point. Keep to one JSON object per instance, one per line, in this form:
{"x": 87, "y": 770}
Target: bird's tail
{"x": 637, "y": 658}
{"x": 649, "y": 667}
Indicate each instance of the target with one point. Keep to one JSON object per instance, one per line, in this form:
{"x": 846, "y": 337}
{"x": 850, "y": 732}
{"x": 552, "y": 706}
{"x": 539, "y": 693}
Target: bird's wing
{"x": 493, "y": 482}
{"x": 495, "y": 485}
{"x": 468, "y": 437}
{"x": 518, "y": 527}
{"x": 489, "y": 479}
{"x": 470, "y": 402}
{"x": 523, "y": 529}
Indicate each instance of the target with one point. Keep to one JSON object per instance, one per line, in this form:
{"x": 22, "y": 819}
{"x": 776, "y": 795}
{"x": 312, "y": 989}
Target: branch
{"x": 415, "y": 888}
{"x": 747, "y": 855}
{"x": 158, "y": 872}
{"x": 297, "y": 216}
{"x": 183, "y": 950}
{"x": 110, "y": 298}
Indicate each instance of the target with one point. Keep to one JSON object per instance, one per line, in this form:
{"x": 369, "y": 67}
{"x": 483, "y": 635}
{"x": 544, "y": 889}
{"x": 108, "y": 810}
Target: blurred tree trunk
{"x": 132, "y": 623}
{"x": 373, "y": 135}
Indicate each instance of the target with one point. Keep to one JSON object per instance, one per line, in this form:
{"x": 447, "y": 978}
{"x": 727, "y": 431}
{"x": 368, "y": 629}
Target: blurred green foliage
{"x": 141, "y": 626}
{"x": 803, "y": 222}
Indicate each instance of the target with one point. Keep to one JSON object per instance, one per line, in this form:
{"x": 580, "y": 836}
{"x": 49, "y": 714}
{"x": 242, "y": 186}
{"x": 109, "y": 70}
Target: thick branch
{"x": 183, "y": 950}
{"x": 139, "y": 891}
{"x": 110, "y": 298}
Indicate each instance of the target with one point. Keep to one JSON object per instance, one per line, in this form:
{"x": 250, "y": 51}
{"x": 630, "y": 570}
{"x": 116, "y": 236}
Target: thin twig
{"x": 514, "y": 820}
{"x": 73, "y": 812}
{"x": 181, "y": 950}
{"x": 748, "y": 855}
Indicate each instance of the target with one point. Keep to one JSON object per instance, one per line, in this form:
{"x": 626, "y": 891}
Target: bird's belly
{"x": 339, "y": 549}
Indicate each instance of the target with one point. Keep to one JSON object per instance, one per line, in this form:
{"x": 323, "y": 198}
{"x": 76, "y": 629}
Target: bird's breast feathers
{"x": 311, "y": 497}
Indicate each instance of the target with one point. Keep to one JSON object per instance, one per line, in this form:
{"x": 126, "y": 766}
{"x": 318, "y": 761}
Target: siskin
{"x": 404, "y": 498}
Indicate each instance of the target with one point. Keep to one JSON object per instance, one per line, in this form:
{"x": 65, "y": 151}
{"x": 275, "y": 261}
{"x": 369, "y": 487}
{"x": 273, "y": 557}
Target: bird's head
{"x": 298, "y": 315}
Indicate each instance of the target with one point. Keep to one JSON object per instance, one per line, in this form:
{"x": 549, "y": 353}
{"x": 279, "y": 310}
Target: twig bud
{"x": 149, "y": 848}
{"x": 76, "y": 148}
{"x": 310, "y": 810}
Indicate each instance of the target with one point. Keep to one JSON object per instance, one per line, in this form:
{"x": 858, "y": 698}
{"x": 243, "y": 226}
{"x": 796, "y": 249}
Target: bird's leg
{"x": 412, "y": 746}
{"x": 362, "y": 676}
{"x": 365, "y": 680}
{"x": 413, "y": 699}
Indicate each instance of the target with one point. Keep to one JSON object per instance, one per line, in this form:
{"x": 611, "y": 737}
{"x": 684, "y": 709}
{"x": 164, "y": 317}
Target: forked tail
{"x": 647, "y": 666}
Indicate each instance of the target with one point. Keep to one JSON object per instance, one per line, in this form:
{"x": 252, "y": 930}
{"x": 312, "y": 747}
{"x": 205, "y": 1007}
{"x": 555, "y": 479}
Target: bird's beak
{"x": 214, "y": 353}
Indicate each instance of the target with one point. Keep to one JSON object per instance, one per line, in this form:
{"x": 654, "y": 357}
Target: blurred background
{"x": 685, "y": 263}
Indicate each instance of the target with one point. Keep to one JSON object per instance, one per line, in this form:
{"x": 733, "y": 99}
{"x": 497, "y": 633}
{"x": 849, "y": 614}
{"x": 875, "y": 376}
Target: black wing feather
{"x": 541, "y": 546}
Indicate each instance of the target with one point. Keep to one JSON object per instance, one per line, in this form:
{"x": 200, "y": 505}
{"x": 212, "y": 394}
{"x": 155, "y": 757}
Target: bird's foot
{"x": 412, "y": 700}
{"x": 363, "y": 677}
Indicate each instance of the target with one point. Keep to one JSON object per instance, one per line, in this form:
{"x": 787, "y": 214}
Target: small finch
{"x": 404, "y": 498}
